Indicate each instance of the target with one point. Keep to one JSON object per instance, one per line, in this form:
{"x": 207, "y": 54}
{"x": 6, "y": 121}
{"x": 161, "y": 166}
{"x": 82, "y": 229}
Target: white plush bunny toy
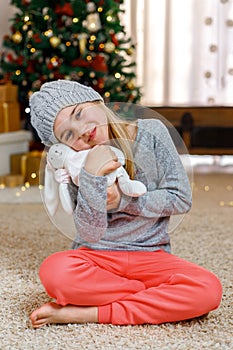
{"x": 63, "y": 162}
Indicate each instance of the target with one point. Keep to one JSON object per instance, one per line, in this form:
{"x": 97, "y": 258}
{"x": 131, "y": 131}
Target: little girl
{"x": 120, "y": 269}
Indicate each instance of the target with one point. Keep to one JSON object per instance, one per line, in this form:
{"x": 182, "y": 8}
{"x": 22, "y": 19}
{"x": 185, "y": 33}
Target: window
{"x": 184, "y": 50}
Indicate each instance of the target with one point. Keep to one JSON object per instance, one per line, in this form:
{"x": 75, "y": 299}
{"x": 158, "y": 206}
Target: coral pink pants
{"x": 131, "y": 287}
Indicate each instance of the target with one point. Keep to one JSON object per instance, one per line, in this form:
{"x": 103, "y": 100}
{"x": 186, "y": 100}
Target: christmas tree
{"x": 77, "y": 40}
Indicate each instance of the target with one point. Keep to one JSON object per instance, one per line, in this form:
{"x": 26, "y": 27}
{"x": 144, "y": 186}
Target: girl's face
{"x": 82, "y": 126}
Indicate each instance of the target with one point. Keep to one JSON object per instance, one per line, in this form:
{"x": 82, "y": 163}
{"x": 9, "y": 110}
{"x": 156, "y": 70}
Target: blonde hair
{"x": 120, "y": 137}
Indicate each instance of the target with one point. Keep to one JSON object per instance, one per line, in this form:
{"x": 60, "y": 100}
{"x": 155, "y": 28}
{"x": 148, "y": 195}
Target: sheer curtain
{"x": 184, "y": 50}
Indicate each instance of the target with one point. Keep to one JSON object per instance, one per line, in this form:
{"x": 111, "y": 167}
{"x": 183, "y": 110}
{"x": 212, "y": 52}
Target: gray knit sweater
{"x": 138, "y": 223}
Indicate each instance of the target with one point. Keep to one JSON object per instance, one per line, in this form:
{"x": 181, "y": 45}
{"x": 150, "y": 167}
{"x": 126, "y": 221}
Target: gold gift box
{"x": 10, "y": 180}
{"x": 9, "y": 116}
{"x": 14, "y": 180}
{"x": 2, "y": 181}
{"x": 27, "y": 164}
{"x": 8, "y": 92}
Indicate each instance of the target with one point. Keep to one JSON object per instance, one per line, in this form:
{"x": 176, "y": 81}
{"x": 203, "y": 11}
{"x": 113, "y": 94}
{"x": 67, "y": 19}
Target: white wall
{"x": 6, "y": 12}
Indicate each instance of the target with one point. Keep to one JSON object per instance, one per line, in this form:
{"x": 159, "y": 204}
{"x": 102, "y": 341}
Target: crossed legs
{"x": 124, "y": 288}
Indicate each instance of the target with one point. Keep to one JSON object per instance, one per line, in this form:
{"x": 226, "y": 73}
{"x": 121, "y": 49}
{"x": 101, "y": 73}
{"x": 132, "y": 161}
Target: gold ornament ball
{"x": 130, "y": 85}
{"x": 17, "y": 37}
{"x": 55, "y": 41}
{"x": 107, "y": 94}
{"x": 109, "y": 47}
{"x": 30, "y": 34}
{"x": 130, "y": 51}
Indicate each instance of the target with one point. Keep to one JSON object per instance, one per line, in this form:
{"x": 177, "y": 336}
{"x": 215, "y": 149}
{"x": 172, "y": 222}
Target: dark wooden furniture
{"x": 205, "y": 130}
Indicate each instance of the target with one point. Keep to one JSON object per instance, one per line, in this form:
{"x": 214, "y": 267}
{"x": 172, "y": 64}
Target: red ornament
{"x": 26, "y": 2}
{"x": 30, "y": 67}
{"x": 79, "y": 62}
{"x": 114, "y": 39}
{"x": 50, "y": 66}
{"x": 10, "y": 57}
{"x": 6, "y": 37}
{"x": 19, "y": 60}
{"x": 100, "y": 85}
{"x": 36, "y": 37}
{"x": 98, "y": 64}
{"x": 58, "y": 75}
{"x": 64, "y": 10}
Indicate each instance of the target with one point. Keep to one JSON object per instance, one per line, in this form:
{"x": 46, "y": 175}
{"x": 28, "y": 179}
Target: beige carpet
{"x": 205, "y": 236}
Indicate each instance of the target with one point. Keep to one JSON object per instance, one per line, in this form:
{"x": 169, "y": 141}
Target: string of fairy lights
{"x": 209, "y": 189}
{"x": 19, "y": 191}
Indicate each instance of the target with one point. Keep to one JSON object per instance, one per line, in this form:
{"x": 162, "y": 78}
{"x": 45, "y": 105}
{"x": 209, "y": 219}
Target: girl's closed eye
{"x": 78, "y": 114}
{"x": 68, "y": 135}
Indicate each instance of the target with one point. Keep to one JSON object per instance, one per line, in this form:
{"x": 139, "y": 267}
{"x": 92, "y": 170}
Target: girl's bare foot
{"x": 54, "y": 313}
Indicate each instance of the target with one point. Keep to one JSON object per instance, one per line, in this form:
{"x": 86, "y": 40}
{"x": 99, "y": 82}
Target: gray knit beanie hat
{"x": 51, "y": 99}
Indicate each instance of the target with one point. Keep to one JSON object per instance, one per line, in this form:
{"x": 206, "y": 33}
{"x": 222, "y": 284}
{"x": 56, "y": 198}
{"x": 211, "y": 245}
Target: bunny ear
{"x": 119, "y": 154}
{"x": 51, "y": 191}
{"x": 66, "y": 201}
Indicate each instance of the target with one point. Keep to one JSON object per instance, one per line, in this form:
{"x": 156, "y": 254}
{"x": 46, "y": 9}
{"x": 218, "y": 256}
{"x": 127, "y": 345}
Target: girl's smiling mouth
{"x": 92, "y": 134}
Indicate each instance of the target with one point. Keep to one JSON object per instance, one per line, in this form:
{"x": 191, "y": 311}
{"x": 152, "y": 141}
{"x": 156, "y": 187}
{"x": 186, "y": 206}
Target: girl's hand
{"x": 113, "y": 196}
{"x": 101, "y": 160}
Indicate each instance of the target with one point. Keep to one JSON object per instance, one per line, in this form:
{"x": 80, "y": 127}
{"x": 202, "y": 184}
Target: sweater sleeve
{"x": 171, "y": 194}
{"x": 90, "y": 214}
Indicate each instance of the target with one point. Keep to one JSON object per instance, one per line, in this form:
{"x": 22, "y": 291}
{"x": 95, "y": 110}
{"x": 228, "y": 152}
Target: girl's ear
{"x": 51, "y": 191}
